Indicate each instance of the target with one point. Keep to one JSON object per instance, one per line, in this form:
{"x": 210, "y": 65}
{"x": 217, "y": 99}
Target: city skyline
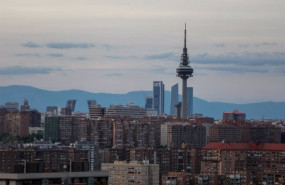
{"x": 236, "y": 48}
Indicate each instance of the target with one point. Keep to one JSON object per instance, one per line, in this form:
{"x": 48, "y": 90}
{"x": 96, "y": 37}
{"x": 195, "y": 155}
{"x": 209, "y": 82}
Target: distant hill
{"x": 39, "y": 99}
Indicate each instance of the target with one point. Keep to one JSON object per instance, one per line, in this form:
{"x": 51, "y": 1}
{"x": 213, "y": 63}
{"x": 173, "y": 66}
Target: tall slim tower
{"x": 70, "y": 104}
{"x": 158, "y": 97}
{"x": 189, "y": 101}
{"x": 174, "y": 98}
{"x": 184, "y": 71}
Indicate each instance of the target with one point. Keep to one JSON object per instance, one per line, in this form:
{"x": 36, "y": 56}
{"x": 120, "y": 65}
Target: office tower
{"x": 51, "y": 110}
{"x": 148, "y": 102}
{"x": 158, "y": 97}
{"x": 184, "y": 71}
{"x": 178, "y": 110}
{"x": 134, "y": 172}
{"x": 91, "y": 102}
{"x": 52, "y": 128}
{"x": 71, "y": 105}
{"x": 174, "y": 99}
{"x": 189, "y": 101}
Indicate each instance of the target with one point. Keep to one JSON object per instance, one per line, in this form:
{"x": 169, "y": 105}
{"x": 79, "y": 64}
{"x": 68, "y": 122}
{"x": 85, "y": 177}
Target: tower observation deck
{"x": 184, "y": 71}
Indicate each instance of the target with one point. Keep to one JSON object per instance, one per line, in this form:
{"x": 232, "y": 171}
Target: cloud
{"x": 243, "y": 45}
{"x": 163, "y": 56}
{"x": 220, "y": 45}
{"x": 243, "y": 59}
{"x": 263, "y": 62}
{"x": 107, "y": 46}
{"x": 266, "y": 44}
{"x": 80, "y": 58}
{"x": 68, "y": 45}
{"x": 114, "y": 74}
{"x": 120, "y": 57}
{"x": 18, "y": 70}
{"x": 56, "y": 55}
{"x": 235, "y": 69}
{"x": 28, "y": 55}
{"x": 31, "y": 45}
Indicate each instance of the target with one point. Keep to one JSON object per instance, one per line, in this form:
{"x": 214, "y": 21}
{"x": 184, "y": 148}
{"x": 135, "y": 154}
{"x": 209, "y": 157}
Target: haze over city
{"x": 236, "y": 48}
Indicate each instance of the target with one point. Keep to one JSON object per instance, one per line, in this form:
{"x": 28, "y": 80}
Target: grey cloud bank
{"x": 57, "y": 55}
{"x": 31, "y": 45}
{"x": 228, "y": 41}
{"x": 66, "y": 45}
{"x": 18, "y": 70}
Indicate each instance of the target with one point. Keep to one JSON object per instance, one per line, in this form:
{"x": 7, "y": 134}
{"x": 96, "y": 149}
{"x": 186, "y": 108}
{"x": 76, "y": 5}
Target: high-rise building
{"x": 25, "y": 106}
{"x": 178, "y": 110}
{"x": 174, "y": 99}
{"x": 51, "y": 110}
{"x": 184, "y": 71}
{"x": 158, "y": 97}
{"x": 70, "y": 104}
{"x": 189, "y": 101}
{"x": 174, "y": 135}
{"x": 129, "y": 110}
{"x": 244, "y": 163}
{"x": 52, "y": 128}
{"x": 148, "y": 102}
{"x": 91, "y": 103}
{"x": 96, "y": 111}
{"x": 11, "y": 106}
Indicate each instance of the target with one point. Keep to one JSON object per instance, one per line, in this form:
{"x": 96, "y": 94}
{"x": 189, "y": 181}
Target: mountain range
{"x": 39, "y": 99}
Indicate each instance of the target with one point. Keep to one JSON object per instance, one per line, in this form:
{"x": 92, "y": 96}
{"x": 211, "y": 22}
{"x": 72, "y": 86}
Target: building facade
{"x": 243, "y": 163}
{"x": 96, "y": 111}
{"x": 235, "y": 115}
{"x": 132, "y": 173}
{"x": 129, "y": 111}
{"x": 176, "y": 134}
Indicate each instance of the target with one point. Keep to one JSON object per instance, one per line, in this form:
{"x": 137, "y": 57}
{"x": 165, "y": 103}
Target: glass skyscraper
{"x": 158, "y": 97}
{"x": 189, "y": 101}
{"x": 173, "y": 99}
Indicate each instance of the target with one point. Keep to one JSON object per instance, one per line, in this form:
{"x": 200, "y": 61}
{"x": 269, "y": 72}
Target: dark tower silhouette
{"x": 184, "y": 71}
{"x": 70, "y": 104}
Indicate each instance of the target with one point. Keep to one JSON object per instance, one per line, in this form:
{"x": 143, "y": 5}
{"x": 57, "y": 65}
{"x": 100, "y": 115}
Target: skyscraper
{"x": 91, "y": 103}
{"x": 184, "y": 71}
{"x": 174, "y": 98}
{"x": 189, "y": 101}
{"x": 158, "y": 97}
{"x": 70, "y": 104}
{"x": 148, "y": 102}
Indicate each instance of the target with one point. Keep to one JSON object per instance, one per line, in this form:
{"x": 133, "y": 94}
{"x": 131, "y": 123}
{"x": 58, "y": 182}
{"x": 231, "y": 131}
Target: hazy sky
{"x": 237, "y": 48}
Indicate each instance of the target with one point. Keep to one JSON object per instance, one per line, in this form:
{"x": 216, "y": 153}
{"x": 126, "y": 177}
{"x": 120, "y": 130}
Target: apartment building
{"x": 132, "y": 173}
{"x": 244, "y": 163}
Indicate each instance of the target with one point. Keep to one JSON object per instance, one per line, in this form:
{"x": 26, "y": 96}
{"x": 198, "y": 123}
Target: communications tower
{"x": 184, "y": 71}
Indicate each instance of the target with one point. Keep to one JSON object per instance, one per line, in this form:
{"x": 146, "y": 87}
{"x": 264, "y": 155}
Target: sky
{"x": 236, "y": 48}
